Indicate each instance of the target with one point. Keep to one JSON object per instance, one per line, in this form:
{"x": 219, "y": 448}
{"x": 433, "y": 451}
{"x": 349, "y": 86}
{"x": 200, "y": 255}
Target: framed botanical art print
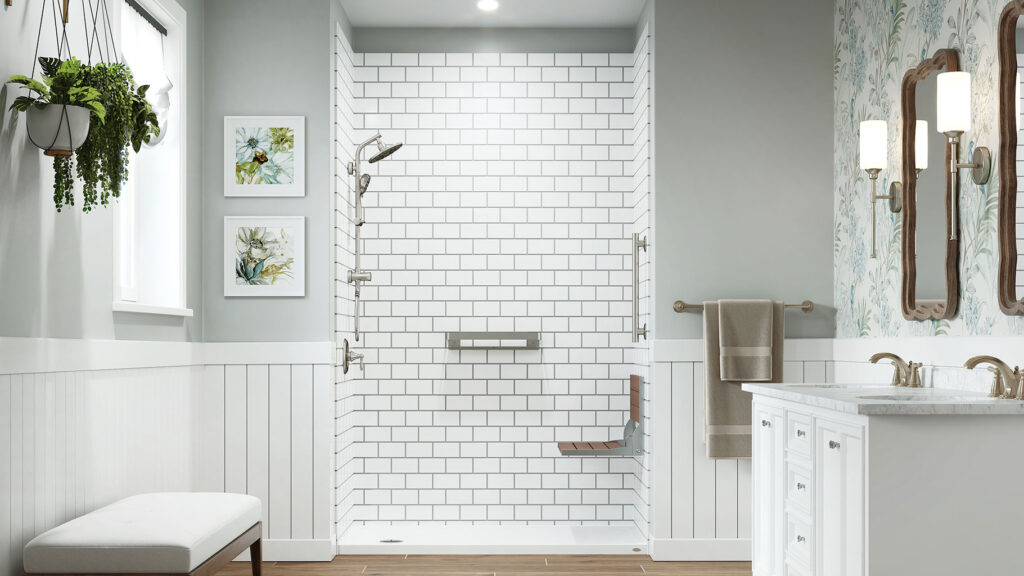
{"x": 264, "y": 155}
{"x": 264, "y": 256}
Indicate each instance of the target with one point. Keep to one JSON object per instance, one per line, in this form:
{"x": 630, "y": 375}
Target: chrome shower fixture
{"x": 384, "y": 151}
{"x": 357, "y": 275}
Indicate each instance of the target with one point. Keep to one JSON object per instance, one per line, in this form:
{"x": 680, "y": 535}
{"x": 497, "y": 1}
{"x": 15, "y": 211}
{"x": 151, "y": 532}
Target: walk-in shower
{"x": 357, "y": 275}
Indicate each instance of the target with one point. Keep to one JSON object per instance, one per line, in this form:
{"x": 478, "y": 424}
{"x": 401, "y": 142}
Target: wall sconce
{"x": 874, "y": 150}
{"x": 953, "y": 118}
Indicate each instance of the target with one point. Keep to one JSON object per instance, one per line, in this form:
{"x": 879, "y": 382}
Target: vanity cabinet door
{"x": 769, "y": 490}
{"x": 839, "y": 516}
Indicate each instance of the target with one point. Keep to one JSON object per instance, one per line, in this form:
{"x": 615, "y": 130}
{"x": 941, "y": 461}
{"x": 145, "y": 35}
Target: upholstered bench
{"x": 154, "y": 534}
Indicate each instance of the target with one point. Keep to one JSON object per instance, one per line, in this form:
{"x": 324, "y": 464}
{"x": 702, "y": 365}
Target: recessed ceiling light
{"x": 487, "y": 5}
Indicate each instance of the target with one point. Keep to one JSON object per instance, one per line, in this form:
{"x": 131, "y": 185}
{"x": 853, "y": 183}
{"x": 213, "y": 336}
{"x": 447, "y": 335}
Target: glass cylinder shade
{"x": 874, "y": 139}
{"x": 921, "y": 145}
{"x": 953, "y": 102}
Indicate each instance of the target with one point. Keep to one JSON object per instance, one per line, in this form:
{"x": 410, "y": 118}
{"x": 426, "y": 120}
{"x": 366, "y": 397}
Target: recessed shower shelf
{"x": 493, "y": 340}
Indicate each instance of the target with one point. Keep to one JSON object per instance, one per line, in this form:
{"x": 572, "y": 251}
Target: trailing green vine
{"x": 63, "y": 180}
{"x": 102, "y": 161}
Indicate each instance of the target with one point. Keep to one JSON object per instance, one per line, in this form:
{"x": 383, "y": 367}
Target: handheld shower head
{"x": 384, "y": 151}
{"x": 364, "y": 183}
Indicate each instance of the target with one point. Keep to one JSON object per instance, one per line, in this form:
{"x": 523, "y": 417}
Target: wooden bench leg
{"x": 256, "y": 557}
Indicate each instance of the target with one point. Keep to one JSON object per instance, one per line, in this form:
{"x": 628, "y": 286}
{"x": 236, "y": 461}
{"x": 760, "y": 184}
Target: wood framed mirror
{"x": 1011, "y": 221}
{"x": 931, "y": 271}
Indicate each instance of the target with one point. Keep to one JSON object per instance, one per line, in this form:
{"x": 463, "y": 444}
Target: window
{"x": 149, "y": 230}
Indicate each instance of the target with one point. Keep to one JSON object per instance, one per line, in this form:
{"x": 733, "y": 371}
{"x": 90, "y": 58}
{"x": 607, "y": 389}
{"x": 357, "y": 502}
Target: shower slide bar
{"x": 637, "y": 330}
{"x": 492, "y": 340}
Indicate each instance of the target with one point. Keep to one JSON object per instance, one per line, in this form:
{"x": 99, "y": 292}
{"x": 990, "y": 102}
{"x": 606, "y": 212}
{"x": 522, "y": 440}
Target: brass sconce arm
{"x": 981, "y": 170}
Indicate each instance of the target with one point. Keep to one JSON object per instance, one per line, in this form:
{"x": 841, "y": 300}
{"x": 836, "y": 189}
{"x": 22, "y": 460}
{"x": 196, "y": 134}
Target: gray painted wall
{"x": 514, "y": 40}
{"x": 57, "y": 277}
{"x": 266, "y": 58}
{"x": 743, "y": 149}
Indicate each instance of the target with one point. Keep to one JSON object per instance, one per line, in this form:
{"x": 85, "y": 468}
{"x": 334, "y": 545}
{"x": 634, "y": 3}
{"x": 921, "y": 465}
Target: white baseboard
{"x": 701, "y": 550}
{"x": 294, "y": 551}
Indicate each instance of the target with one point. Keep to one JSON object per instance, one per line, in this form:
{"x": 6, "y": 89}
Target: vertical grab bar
{"x": 637, "y": 330}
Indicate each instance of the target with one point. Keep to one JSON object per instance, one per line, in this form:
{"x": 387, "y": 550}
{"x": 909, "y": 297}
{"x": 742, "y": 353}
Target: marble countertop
{"x": 874, "y": 400}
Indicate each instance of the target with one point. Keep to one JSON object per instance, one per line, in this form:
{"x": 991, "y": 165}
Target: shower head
{"x": 384, "y": 151}
{"x": 364, "y": 183}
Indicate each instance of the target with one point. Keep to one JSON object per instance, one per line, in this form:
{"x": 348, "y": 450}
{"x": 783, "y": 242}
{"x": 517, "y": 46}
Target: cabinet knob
{"x": 833, "y": 445}
{"x": 766, "y": 424}
{"x": 801, "y": 539}
{"x": 801, "y": 433}
{"x": 800, "y": 486}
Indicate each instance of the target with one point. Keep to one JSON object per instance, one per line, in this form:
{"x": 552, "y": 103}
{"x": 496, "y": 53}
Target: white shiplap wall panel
{"x": 257, "y": 424}
{"x": 302, "y": 453}
{"x": 235, "y": 429}
{"x": 280, "y": 431}
{"x": 6, "y": 467}
{"x": 701, "y": 507}
{"x": 74, "y": 441}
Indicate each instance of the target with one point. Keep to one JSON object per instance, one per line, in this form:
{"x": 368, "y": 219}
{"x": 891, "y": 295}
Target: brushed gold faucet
{"x": 1006, "y": 383}
{"x": 904, "y": 374}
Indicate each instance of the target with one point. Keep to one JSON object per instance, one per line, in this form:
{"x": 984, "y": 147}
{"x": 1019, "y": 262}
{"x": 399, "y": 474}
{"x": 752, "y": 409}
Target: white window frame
{"x": 125, "y": 295}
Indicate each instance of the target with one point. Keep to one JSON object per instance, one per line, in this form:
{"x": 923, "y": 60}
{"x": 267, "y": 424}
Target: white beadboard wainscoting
{"x": 84, "y": 423}
{"x": 701, "y": 507}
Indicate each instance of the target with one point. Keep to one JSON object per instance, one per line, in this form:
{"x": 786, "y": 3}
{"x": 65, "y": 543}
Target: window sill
{"x": 137, "y": 308}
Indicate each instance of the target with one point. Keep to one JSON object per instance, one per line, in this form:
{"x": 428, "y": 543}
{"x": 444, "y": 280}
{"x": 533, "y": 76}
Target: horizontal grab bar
{"x": 492, "y": 340}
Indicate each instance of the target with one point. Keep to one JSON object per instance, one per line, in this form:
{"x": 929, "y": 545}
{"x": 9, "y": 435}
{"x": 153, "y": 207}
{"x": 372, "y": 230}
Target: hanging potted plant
{"x": 96, "y": 112}
{"x": 60, "y": 108}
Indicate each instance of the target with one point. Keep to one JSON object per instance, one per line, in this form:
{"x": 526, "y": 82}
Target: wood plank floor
{"x": 517, "y": 565}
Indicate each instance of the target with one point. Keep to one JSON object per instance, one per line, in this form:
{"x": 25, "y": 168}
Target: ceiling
{"x": 511, "y": 14}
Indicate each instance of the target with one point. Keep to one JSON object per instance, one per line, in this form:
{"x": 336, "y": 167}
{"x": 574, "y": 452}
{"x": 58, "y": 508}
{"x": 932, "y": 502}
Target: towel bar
{"x": 680, "y": 306}
{"x": 492, "y": 340}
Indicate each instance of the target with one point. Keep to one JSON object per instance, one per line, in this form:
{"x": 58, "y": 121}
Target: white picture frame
{"x": 273, "y": 170}
{"x": 264, "y": 256}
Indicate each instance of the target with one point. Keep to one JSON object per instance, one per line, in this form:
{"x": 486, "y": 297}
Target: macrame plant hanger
{"x": 98, "y": 14}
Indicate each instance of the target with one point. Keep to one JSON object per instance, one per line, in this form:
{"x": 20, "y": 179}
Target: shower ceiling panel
{"x": 511, "y": 14}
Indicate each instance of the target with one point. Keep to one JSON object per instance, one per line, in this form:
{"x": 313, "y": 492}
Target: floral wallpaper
{"x": 876, "y": 42}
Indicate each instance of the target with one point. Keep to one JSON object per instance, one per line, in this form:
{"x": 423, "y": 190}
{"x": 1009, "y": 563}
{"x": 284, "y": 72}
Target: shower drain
{"x": 390, "y": 541}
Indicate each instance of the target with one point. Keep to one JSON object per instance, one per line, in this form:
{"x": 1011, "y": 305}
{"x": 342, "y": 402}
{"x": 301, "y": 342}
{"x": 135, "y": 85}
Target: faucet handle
{"x": 915, "y": 376}
{"x": 897, "y": 375}
{"x": 1012, "y": 389}
{"x": 997, "y": 383}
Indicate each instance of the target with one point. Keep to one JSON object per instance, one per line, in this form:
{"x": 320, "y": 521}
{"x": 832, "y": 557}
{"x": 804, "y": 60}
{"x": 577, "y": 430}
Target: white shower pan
{"x": 492, "y": 539}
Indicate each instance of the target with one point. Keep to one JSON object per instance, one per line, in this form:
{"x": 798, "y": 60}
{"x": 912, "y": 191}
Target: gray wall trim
{"x": 571, "y": 40}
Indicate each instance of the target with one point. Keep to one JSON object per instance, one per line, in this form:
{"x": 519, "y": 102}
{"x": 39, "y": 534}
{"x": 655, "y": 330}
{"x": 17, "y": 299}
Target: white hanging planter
{"x": 56, "y": 133}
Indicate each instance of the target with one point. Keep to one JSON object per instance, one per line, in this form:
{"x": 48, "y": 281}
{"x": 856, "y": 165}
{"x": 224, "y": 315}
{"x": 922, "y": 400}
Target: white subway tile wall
{"x": 510, "y": 207}
{"x": 346, "y": 402}
{"x": 640, "y": 170}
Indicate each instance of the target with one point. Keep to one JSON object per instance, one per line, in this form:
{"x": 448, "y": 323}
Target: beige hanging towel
{"x": 743, "y": 341}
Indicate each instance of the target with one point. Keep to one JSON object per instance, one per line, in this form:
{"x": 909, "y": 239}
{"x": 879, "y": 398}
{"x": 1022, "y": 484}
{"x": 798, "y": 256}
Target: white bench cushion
{"x": 170, "y": 533}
